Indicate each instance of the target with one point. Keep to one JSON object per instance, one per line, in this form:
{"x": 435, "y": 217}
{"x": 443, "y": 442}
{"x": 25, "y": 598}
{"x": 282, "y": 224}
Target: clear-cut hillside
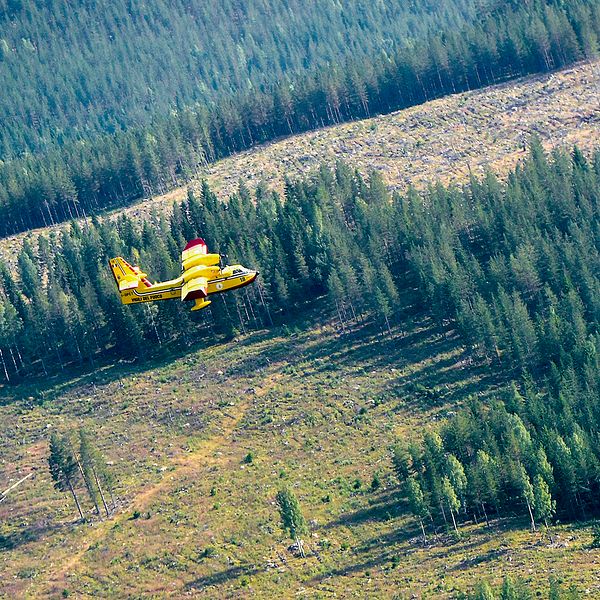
{"x": 443, "y": 139}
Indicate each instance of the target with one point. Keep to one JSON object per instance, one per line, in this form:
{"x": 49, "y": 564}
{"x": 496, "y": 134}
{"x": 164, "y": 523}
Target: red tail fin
{"x": 197, "y": 242}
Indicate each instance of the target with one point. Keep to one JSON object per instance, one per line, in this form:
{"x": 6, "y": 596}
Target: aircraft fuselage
{"x": 226, "y": 279}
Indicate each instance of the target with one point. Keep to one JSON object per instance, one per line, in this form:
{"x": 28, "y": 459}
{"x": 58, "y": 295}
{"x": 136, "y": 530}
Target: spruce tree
{"x": 292, "y": 520}
{"x": 416, "y": 501}
{"x": 450, "y": 499}
{"x": 544, "y": 505}
{"x": 63, "y": 467}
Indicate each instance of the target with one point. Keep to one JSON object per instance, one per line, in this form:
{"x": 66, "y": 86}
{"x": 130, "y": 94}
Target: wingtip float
{"x": 201, "y": 275}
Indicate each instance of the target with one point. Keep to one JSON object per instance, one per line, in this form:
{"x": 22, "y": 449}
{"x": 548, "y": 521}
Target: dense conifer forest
{"x": 512, "y": 266}
{"x": 71, "y": 69}
{"x": 66, "y": 153}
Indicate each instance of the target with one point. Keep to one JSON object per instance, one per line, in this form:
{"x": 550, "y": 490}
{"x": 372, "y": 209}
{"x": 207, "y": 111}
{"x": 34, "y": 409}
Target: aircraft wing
{"x": 195, "y": 288}
{"x": 195, "y": 253}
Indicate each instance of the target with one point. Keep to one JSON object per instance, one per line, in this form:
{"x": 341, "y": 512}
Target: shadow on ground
{"x": 384, "y": 508}
{"x": 221, "y": 577}
{"x": 23, "y": 536}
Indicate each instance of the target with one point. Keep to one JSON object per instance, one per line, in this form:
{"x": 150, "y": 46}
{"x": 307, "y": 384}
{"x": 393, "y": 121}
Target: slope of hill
{"x": 444, "y": 139}
{"x": 197, "y": 516}
{"x": 471, "y": 313}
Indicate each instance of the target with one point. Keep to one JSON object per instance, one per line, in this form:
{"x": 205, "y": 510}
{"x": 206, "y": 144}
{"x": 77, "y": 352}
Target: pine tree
{"x": 450, "y": 499}
{"x": 63, "y": 467}
{"x": 483, "y": 591}
{"x": 93, "y": 469}
{"x": 402, "y": 460}
{"x": 543, "y": 467}
{"x": 417, "y": 503}
{"x": 292, "y": 520}
{"x": 544, "y": 505}
{"x": 527, "y": 492}
{"x": 456, "y": 474}
{"x": 509, "y": 590}
{"x": 486, "y": 481}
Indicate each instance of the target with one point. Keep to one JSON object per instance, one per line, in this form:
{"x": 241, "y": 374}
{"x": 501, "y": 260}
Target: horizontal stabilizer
{"x": 128, "y": 282}
{"x": 126, "y": 276}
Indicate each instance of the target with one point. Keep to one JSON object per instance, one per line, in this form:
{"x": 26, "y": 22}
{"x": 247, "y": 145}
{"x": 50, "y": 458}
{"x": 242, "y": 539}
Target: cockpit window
{"x": 238, "y": 271}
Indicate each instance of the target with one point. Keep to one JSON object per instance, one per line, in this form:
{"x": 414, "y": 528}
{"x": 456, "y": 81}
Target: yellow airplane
{"x": 201, "y": 275}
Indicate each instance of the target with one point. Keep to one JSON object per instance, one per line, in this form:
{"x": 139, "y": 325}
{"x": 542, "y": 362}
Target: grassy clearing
{"x": 201, "y": 445}
{"x": 445, "y": 139}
